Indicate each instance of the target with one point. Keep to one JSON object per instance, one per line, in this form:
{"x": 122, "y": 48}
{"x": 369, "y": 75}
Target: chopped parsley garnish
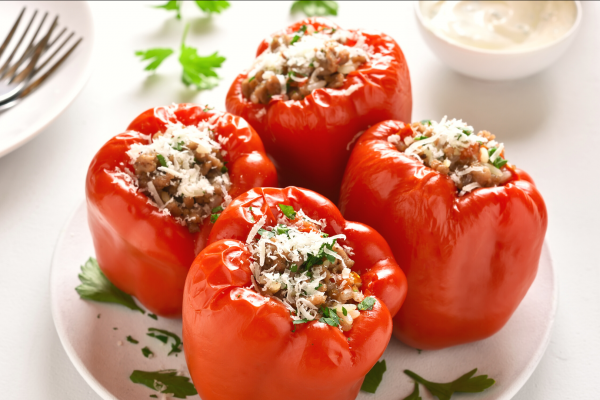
{"x": 374, "y": 377}
{"x": 157, "y": 56}
{"x": 179, "y": 146}
{"x": 343, "y": 308}
{"x": 132, "y": 340}
{"x": 294, "y": 268}
{"x": 288, "y": 211}
{"x": 251, "y": 79}
{"x": 426, "y": 122}
{"x": 367, "y": 303}
{"x": 415, "y": 394}
{"x": 199, "y": 71}
{"x": 95, "y": 286}
{"x": 161, "y": 160}
{"x": 166, "y": 381}
{"x": 207, "y": 108}
{"x": 330, "y": 316}
{"x": 467, "y": 132}
{"x": 300, "y": 321}
{"x": 147, "y": 352}
{"x": 224, "y": 169}
{"x": 153, "y": 316}
{"x": 421, "y": 137}
{"x": 315, "y": 8}
{"x": 297, "y": 37}
{"x": 164, "y": 336}
{"x": 500, "y": 162}
{"x": 214, "y": 218}
{"x": 217, "y": 209}
{"x": 317, "y": 259}
{"x": 465, "y": 384}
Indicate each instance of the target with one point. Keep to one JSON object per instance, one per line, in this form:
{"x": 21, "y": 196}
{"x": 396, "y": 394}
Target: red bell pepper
{"x": 310, "y": 139}
{"x": 143, "y": 251}
{"x": 241, "y": 345}
{"x": 469, "y": 259}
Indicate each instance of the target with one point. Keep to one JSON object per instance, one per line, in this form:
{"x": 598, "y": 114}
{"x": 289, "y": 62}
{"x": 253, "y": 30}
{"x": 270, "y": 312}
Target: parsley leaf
{"x": 374, "y": 377}
{"x": 172, "y": 6}
{"x": 288, "y": 211}
{"x": 164, "y": 336}
{"x": 197, "y": 70}
{"x": 300, "y": 321}
{"x": 147, "y": 352}
{"x": 157, "y": 56}
{"x": 153, "y": 316}
{"x": 465, "y": 384}
{"x": 421, "y": 137}
{"x": 315, "y": 8}
{"x": 500, "y": 162}
{"x": 132, "y": 340}
{"x": 161, "y": 160}
{"x": 96, "y": 286}
{"x": 217, "y": 209}
{"x": 297, "y": 37}
{"x": 415, "y": 394}
{"x": 166, "y": 381}
{"x": 330, "y": 316}
{"x": 213, "y": 6}
{"x": 367, "y": 303}
{"x": 214, "y": 218}
{"x": 224, "y": 169}
{"x": 426, "y": 122}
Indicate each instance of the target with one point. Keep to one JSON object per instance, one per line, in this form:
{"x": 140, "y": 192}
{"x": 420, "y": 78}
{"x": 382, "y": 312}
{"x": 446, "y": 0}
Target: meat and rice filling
{"x": 470, "y": 159}
{"x": 307, "y": 270}
{"x": 183, "y": 171}
{"x": 294, "y": 65}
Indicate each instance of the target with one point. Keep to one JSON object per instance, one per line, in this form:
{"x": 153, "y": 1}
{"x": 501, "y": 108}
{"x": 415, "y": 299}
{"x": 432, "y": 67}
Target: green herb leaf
{"x": 153, "y": 316}
{"x": 224, "y": 169}
{"x": 330, "y": 316}
{"x": 213, "y": 6}
{"x": 172, "y": 6}
{"x": 179, "y": 146}
{"x": 374, "y": 377}
{"x": 161, "y": 160}
{"x": 300, "y": 321}
{"x": 344, "y": 311}
{"x": 367, "y": 303}
{"x": 157, "y": 56}
{"x": 315, "y": 8}
{"x": 199, "y": 71}
{"x": 132, "y": 340}
{"x": 288, "y": 211}
{"x": 492, "y": 151}
{"x": 294, "y": 268}
{"x": 217, "y": 209}
{"x": 415, "y": 394}
{"x": 426, "y": 122}
{"x": 214, "y": 217}
{"x": 421, "y": 137}
{"x": 147, "y": 352}
{"x": 166, "y": 381}
{"x": 465, "y": 384}
{"x": 467, "y": 132}
{"x": 500, "y": 162}
{"x": 161, "y": 333}
{"x": 95, "y": 286}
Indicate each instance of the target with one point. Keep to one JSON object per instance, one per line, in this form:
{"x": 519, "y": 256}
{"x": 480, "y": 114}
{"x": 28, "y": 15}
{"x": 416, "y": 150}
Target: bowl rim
{"x": 474, "y": 49}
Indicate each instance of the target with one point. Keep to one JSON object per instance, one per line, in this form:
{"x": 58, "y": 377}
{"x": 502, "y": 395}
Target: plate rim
{"x": 35, "y": 129}
{"x": 510, "y": 390}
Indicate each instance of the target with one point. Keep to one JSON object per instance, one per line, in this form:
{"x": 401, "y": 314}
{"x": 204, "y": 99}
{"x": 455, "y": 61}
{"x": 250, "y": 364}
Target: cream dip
{"x": 499, "y": 25}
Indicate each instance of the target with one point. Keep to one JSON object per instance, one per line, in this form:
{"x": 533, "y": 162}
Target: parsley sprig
{"x": 374, "y": 377}
{"x": 163, "y": 336}
{"x": 288, "y": 211}
{"x": 466, "y": 384}
{"x": 415, "y": 394}
{"x": 96, "y": 286}
{"x": 197, "y": 71}
{"x": 209, "y": 7}
{"x": 315, "y": 8}
{"x": 165, "y": 381}
{"x": 499, "y": 162}
{"x": 330, "y": 316}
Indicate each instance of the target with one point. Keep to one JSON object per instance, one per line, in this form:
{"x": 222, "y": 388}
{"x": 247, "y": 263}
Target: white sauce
{"x": 500, "y": 25}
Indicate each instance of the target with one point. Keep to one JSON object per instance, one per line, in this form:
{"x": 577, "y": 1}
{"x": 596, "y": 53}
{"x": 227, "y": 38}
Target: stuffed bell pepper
{"x": 288, "y": 301}
{"x": 154, "y": 192}
{"x": 465, "y": 225}
{"x": 312, "y": 90}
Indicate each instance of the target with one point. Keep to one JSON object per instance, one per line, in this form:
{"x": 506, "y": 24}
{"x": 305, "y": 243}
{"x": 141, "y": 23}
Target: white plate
{"x": 509, "y": 357}
{"x": 23, "y": 122}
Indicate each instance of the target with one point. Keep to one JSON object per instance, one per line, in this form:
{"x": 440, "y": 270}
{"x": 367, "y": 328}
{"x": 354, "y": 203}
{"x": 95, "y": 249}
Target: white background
{"x": 548, "y": 124}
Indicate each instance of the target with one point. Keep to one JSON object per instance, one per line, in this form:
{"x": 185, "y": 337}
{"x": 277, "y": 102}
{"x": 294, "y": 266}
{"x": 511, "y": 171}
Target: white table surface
{"x": 548, "y": 124}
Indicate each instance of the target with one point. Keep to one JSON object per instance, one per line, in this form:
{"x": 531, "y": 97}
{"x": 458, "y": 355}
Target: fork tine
{"x": 42, "y": 78}
{"x": 7, "y": 63}
{"x": 12, "y": 32}
{"x": 38, "y": 69}
{"x": 27, "y": 54}
{"x": 40, "y": 47}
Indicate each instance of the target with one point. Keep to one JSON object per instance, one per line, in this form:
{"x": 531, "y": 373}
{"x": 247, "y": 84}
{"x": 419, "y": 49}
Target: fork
{"x": 14, "y": 78}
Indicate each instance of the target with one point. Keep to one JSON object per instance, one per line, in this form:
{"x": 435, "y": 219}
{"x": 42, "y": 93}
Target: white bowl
{"x": 496, "y": 65}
